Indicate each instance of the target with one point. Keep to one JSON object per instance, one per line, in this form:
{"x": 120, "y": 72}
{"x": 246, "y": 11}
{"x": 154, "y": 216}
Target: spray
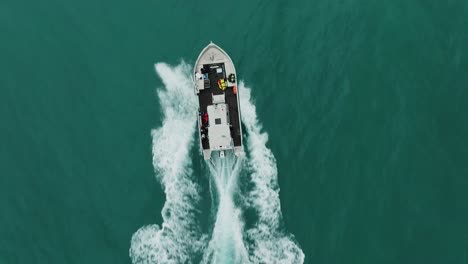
{"x": 179, "y": 238}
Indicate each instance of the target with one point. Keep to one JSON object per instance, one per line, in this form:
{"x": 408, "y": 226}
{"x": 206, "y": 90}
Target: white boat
{"x": 219, "y": 123}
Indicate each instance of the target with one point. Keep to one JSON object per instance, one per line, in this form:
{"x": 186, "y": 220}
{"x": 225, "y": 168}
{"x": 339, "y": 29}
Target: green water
{"x": 365, "y": 104}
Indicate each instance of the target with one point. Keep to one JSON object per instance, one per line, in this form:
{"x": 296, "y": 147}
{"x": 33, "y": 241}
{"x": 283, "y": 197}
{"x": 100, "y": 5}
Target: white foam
{"x": 180, "y": 237}
{"x": 227, "y": 244}
{"x": 270, "y": 245}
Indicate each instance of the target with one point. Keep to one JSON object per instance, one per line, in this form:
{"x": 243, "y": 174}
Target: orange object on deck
{"x": 234, "y": 89}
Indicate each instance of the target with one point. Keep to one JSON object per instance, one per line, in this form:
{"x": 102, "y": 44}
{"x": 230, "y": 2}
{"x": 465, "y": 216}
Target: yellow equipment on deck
{"x": 222, "y": 84}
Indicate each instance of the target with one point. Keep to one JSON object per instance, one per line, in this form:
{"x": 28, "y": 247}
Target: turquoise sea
{"x": 355, "y": 110}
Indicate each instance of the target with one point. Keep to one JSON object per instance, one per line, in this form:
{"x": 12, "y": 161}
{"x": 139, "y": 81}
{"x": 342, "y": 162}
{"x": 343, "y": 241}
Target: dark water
{"x": 365, "y": 104}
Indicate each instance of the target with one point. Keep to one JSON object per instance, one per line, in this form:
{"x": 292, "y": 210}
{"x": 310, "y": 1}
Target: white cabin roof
{"x": 219, "y": 133}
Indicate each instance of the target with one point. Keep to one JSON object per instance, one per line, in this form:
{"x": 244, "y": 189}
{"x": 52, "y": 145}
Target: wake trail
{"x": 180, "y": 237}
{"x": 226, "y": 245}
{"x": 269, "y": 243}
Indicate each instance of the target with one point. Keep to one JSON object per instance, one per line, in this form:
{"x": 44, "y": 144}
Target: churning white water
{"x": 226, "y": 245}
{"x": 270, "y": 244}
{"x": 179, "y": 238}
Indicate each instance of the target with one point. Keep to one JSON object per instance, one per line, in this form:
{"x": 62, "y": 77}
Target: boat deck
{"x": 205, "y": 98}
{"x": 231, "y": 101}
{"x": 214, "y": 76}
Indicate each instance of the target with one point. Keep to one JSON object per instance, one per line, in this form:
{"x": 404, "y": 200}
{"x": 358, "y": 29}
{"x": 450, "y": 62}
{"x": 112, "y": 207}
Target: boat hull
{"x": 219, "y": 122}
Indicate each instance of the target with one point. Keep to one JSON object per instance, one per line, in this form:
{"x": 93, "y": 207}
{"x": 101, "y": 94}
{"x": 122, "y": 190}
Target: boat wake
{"x": 180, "y": 238}
{"x": 227, "y": 244}
{"x": 270, "y": 245}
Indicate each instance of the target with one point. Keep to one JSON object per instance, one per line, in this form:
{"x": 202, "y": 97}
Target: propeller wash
{"x": 180, "y": 238}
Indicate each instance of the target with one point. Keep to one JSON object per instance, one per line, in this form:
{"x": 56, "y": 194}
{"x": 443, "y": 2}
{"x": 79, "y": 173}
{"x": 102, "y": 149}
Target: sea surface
{"x": 355, "y": 121}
